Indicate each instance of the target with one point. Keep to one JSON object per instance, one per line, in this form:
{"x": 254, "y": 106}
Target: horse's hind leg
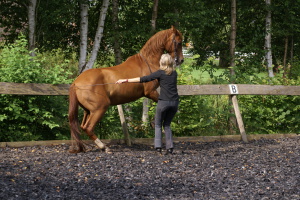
{"x": 85, "y": 116}
{"x": 92, "y": 119}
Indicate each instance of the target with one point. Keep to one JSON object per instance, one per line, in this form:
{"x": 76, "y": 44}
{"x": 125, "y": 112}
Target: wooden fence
{"x": 183, "y": 90}
{"x": 242, "y": 89}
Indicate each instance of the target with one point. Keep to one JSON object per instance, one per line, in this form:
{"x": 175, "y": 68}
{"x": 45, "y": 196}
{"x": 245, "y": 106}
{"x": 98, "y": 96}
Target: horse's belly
{"x": 127, "y": 97}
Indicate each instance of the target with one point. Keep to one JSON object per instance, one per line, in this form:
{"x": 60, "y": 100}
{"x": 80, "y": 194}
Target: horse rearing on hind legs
{"x": 94, "y": 90}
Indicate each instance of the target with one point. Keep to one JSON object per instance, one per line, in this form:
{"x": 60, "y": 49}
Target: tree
{"x": 84, "y": 8}
{"x": 116, "y": 35}
{"x": 13, "y": 18}
{"x": 154, "y": 16}
{"x": 98, "y": 36}
{"x": 268, "y": 40}
{"x": 285, "y": 34}
{"x": 32, "y": 25}
{"x": 232, "y": 37}
{"x": 13, "y": 21}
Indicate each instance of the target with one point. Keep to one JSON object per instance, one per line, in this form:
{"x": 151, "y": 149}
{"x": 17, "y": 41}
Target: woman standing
{"x": 168, "y": 100}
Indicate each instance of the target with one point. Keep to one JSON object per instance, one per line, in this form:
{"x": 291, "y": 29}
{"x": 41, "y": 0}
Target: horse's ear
{"x": 174, "y": 29}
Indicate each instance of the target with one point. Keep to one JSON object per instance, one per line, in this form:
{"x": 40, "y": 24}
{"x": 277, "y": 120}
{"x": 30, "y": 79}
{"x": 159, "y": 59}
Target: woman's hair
{"x": 167, "y": 63}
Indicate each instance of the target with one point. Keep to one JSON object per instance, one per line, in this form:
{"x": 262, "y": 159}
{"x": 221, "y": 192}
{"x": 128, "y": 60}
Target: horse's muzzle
{"x": 179, "y": 62}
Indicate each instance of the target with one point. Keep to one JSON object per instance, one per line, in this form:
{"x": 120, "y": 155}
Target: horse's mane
{"x": 156, "y": 42}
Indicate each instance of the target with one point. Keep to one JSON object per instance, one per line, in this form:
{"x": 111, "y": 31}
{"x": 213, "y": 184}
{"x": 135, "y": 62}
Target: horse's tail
{"x": 73, "y": 119}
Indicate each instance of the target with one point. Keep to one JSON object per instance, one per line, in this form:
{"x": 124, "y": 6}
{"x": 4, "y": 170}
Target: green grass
{"x": 204, "y": 75}
{"x": 199, "y": 73}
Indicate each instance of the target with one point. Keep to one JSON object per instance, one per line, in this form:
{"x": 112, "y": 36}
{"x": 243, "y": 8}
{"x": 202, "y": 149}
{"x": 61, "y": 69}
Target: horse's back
{"x": 130, "y": 68}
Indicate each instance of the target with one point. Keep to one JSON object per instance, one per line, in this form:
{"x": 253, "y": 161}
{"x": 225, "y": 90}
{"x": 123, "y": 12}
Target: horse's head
{"x": 169, "y": 40}
{"x": 174, "y": 45}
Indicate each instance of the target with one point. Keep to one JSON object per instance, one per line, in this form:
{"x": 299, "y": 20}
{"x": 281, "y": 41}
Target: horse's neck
{"x": 151, "y": 59}
{"x": 154, "y": 48}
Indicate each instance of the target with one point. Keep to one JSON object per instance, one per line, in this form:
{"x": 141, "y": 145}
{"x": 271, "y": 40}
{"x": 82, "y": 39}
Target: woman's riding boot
{"x": 158, "y": 150}
{"x": 170, "y": 151}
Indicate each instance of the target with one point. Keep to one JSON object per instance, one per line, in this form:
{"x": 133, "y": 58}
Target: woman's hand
{"x": 122, "y": 81}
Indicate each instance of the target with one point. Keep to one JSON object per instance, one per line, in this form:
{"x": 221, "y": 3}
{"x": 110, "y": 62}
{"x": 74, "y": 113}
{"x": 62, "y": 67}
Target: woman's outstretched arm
{"x": 131, "y": 80}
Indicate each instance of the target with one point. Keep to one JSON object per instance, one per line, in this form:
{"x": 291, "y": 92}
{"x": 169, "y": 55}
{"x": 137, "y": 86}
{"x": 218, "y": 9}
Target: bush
{"x": 270, "y": 114}
{"x": 32, "y": 117}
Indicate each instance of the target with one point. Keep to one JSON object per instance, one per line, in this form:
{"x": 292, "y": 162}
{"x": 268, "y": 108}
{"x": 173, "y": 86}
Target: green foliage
{"x": 44, "y": 117}
{"x": 294, "y": 71}
{"x": 205, "y": 24}
{"x": 200, "y": 115}
{"x": 261, "y": 114}
{"x": 32, "y": 117}
{"x": 270, "y": 114}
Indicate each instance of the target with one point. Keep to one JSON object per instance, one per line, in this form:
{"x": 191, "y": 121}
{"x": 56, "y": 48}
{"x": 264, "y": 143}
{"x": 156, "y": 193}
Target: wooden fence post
{"x": 124, "y": 126}
{"x": 234, "y": 91}
{"x": 239, "y": 118}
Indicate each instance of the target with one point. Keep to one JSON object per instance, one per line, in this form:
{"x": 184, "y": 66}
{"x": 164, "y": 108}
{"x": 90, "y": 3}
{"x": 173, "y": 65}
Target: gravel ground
{"x": 262, "y": 169}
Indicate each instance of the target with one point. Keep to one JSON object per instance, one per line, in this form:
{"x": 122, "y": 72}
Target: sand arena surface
{"x": 262, "y": 169}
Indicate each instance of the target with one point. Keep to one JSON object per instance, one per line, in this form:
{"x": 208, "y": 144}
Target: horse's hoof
{"x": 74, "y": 151}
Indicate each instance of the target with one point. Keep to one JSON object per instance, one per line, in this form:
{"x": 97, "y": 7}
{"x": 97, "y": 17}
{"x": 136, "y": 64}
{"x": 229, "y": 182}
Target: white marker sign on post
{"x": 233, "y": 89}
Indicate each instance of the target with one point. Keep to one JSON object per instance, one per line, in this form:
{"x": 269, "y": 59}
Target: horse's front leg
{"x": 150, "y": 90}
{"x": 153, "y": 95}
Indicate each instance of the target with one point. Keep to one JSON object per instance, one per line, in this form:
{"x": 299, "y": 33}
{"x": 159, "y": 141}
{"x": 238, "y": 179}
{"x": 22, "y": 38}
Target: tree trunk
{"x": 224, "y": 62}
{"x": 98, "y": 35}
{"x": 32, "y": 25}
{"x": 232, "y": 118}
{"x": 154, "y": 16}
{"x": 268, "y": 41}
{"x": 145, "y": 115}
{"x": 292, "y": 56}
{"x": 285, "y": 71}
{"x": 84, "y": 7}
{"x": 115, "y": 21}
{"x": 232, "y": 37}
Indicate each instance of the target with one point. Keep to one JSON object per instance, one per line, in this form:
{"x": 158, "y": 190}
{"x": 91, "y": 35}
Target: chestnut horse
{"x": 94, "y": 90}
